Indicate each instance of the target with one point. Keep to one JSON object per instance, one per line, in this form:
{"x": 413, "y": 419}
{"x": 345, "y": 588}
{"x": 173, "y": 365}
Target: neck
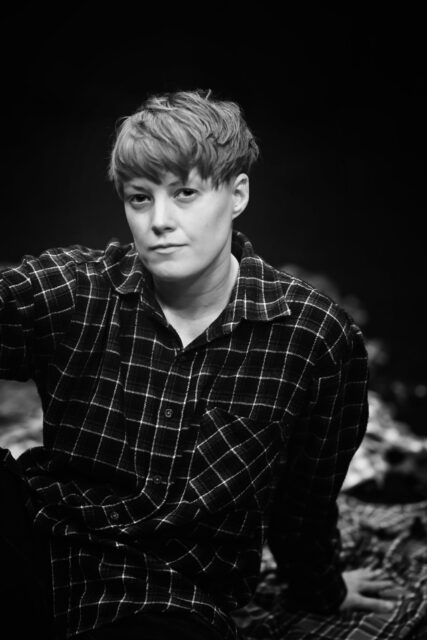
{"x": 202, "y": 296}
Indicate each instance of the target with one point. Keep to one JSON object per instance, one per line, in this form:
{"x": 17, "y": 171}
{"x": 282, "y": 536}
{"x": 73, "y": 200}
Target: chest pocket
{"x": 234, "y": 461}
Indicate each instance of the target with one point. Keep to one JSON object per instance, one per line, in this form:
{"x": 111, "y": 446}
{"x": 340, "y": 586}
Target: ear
{"x": 240, "y": 193}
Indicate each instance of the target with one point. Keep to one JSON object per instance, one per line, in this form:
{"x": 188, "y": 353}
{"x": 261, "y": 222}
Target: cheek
{"x": 136, "y": 226}
{"x": 208, "y": 225}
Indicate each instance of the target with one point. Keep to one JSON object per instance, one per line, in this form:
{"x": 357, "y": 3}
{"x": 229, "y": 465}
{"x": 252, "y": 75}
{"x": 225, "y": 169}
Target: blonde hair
{"x": 180, "y": 131}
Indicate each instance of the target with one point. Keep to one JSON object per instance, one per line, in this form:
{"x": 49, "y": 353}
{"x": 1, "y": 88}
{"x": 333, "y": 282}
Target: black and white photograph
{"x": 213, "y": 345}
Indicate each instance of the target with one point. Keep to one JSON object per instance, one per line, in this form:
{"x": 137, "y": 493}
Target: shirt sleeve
{"x": 303, "y": 534}
{"x": 36, "y": 298}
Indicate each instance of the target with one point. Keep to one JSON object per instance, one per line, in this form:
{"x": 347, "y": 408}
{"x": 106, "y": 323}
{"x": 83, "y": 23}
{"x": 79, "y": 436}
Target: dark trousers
{"x": 25, "y": 592}
{"x": 24, "y": 567}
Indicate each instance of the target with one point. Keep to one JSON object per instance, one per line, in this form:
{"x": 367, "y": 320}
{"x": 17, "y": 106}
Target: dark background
{"x": 337, "y": 101}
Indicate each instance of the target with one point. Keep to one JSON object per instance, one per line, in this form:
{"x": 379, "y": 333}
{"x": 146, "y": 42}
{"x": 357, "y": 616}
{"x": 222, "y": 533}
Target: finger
{"x": 393, "y": 593}
{"x": 375, "y": 586}
{"x": 375, "y": 604}
{"x": 374, "y": 573}
{"x": 370, "y": 574}
{"x": 366, "y": 571}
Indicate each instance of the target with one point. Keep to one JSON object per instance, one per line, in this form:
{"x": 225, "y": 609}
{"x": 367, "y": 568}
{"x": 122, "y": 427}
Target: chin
{"x": 170, "y": 274}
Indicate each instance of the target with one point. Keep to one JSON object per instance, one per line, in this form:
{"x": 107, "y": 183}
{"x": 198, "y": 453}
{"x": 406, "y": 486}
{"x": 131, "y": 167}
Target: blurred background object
{"x": 21, "y": 416}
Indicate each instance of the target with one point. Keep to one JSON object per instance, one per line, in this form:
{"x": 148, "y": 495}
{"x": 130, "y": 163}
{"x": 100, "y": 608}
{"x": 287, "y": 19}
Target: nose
{"x": 162, "y": 216}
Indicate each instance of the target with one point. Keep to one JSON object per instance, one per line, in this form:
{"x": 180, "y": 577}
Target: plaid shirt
{"x": 164, "y": 468}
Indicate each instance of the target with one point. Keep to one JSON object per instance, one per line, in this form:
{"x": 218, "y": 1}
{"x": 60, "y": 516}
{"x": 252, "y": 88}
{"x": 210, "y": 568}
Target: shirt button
{"x": 168, "y": 413}
{"x": 114, "y": 515}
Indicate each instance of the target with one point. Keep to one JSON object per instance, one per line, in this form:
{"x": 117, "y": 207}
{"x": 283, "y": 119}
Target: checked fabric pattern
{"x": 160, "y": 464}
{"x": 390, "y": 537}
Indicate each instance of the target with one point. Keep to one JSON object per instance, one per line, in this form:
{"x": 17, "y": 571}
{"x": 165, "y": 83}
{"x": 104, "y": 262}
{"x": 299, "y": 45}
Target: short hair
{"x": 180, "y": 131}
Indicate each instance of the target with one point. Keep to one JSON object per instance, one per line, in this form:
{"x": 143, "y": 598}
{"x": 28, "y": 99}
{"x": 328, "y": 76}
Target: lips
{"x": 166, "y": 248}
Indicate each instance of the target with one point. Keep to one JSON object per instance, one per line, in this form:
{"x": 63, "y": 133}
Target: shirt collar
{"x": 124, "y": 268}
{"x": 258, "y": 295}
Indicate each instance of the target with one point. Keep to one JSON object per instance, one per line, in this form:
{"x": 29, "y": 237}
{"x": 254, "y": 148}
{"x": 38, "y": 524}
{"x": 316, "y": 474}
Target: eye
{"x": 137, "y": 199}
{"x": 186, "y": 193}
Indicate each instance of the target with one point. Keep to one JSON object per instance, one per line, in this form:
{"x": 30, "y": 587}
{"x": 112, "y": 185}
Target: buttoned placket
{"x": 171, "y": 421}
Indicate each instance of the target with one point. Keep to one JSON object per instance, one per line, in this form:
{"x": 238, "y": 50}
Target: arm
{"x": 35, "y": 301}
{"x": 303, "y": 534}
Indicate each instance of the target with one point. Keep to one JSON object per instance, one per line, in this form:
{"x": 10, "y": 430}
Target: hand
{"x": 367, "y": 591}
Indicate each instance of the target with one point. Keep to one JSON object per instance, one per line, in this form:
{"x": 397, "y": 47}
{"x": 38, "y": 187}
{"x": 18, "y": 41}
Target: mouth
{"x": 166, "y": 248}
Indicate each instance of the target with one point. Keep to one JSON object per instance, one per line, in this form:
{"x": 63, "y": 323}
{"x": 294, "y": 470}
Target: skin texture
{"x": 194, "y": 216}
{"x": 368, "y": 591}
{"x": 182, "y": 232}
